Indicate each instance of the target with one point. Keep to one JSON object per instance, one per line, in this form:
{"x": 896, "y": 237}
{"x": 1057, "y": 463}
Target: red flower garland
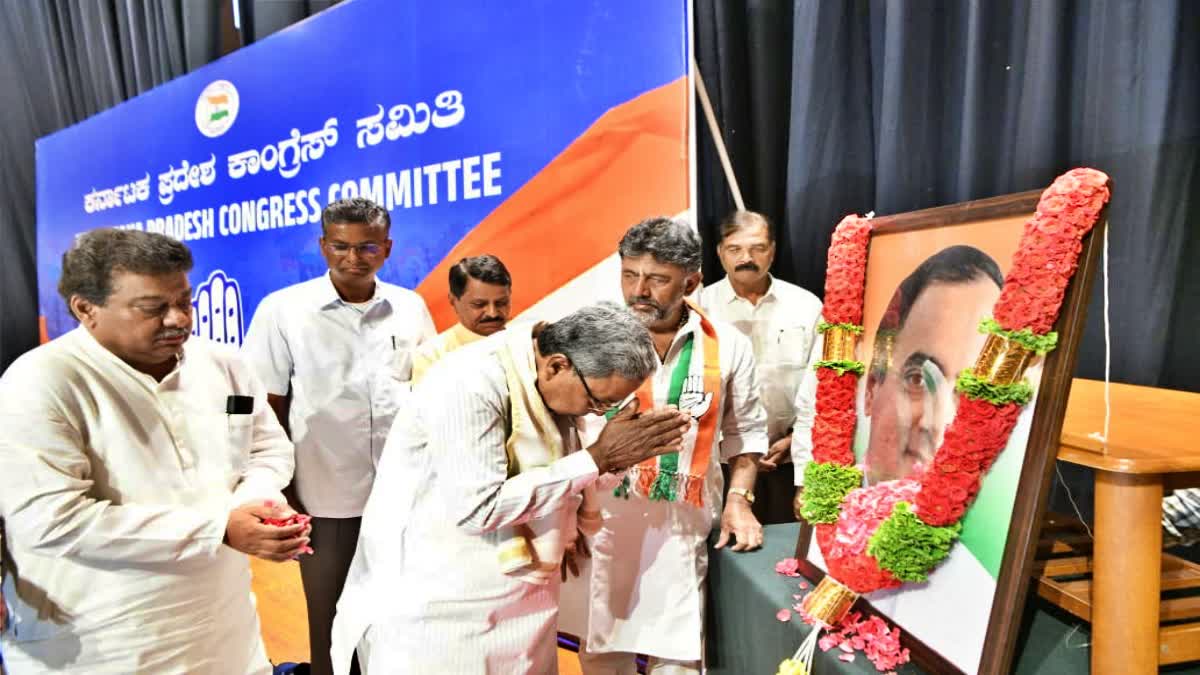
{"x": 833, "y": 428}
{"x": 1030, "y": 300}
{"x": 846, "y": 271}
{"x": 845, "y": 279}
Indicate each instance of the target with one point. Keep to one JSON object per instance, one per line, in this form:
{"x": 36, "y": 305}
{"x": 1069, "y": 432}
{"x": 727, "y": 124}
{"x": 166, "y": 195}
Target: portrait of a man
{"x": 927, "y": 335}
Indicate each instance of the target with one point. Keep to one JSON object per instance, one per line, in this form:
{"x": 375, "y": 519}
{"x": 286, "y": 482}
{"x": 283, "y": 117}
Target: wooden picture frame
{"x": 1036, "y": 472}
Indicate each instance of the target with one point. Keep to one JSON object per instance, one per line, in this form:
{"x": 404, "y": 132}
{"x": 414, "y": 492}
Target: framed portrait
{"x": 931, "y": 277}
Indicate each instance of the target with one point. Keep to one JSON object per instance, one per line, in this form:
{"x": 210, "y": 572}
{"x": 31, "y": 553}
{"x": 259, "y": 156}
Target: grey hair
{"x": 601, "y": 340}
{"x": 88, "y": 266}
{"x": 669, "y": 241}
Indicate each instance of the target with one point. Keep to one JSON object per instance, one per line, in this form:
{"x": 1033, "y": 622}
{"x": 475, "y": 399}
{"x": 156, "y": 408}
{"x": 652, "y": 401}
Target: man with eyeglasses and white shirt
{"x": 335, "y": 354}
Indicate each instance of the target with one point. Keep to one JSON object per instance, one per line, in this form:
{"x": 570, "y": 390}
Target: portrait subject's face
{"x": 913, "y": 402}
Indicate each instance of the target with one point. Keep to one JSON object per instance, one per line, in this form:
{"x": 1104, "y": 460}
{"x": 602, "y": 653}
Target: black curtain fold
{"x": 897, "y": 106}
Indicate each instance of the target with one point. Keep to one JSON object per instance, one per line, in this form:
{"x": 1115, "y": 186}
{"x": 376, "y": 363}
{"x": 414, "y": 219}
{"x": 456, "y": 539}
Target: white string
{"x": 1067, "y": 639}
{"x": 1071, "y": 498}
{"x": 1103, "y": 438}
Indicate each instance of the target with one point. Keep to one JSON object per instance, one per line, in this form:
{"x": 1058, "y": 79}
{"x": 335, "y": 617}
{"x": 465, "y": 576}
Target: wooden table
{"x": 1153, "y": 447}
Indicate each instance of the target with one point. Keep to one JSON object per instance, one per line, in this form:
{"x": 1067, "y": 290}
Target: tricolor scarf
{"x": 533, "y": 550}
{"x": 695, "y": 386}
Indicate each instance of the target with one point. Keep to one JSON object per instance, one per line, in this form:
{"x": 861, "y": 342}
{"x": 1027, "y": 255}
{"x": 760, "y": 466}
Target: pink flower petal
{"x": 797, "y": 597}
{"x": 784, "y": 615}
{"x": 846, "y": 647}
{"x": 803, "y": 584}
{"x": 846, "y": 657}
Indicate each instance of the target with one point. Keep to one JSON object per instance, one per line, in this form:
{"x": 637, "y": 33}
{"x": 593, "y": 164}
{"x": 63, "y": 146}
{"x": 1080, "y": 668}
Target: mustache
{"x": 746, "y": 267}
{"x": 643, "y": 301}
{"x": 495, "y": 319}
{"x": 172, "y": 333}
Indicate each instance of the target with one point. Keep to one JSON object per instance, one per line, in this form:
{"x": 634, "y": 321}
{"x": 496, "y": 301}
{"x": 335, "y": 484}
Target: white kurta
{"x": 116, "y": 490}
{"x": 643, "y": 589}
{"x": 425, "y": 588}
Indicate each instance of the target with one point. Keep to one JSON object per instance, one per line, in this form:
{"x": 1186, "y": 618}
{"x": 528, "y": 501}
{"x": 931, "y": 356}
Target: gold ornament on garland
{"x": 1002, "y": 361}
{"x": 839, "y": 344}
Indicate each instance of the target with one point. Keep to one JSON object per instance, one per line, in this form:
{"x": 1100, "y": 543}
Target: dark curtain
{"x": 896, "y": 106}
{"x": 62, "y": 61}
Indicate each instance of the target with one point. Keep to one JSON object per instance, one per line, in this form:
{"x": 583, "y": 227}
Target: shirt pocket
{"x": 402, "y": 357}
{"x": 791, "y": 345}
{"x": 239, "y": 435}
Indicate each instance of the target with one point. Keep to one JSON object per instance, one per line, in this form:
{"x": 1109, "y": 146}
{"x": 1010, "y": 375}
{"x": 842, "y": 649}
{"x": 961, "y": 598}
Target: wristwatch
{"x": 743, "y": 492}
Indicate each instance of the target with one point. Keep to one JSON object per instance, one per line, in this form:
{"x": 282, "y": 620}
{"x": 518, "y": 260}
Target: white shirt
{"x": 806, "y": 416}
{"x": 115, "y": 490}
{"x": 348, "y": 367}
{"x": 642, "y": 591}
{"x": 782, "y": 329}
{"x": 425, "y": 585}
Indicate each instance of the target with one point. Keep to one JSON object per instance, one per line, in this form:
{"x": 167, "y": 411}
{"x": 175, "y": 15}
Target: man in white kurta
{"x": 781, "y": 321}
{"x": 130, "y": 465}
{"x": 426, "y": 592}
{"x": 643, "y": 592}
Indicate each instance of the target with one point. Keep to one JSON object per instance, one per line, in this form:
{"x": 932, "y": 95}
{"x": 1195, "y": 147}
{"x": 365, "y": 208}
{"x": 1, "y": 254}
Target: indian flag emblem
{"x": 217, "y": 108}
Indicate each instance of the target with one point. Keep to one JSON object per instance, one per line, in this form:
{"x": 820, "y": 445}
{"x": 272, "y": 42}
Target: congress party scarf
{"x": 695, "y": 386}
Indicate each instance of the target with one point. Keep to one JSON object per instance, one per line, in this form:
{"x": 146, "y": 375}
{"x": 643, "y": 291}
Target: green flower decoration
{"x": 825, "y": 486}
{"x": 1038, "y": 344}
{"x": 843, "y": 367}
{"x": 853, "y": 328}
{"x": 909, "y": 548}
{"x": 999, "y": 394}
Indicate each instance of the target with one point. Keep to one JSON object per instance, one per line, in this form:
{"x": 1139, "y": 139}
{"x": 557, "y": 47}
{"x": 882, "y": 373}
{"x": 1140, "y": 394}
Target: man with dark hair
{"x": 487, "y": 456}
{"x": 643, "y": 593}
{"x": 927, "y": 335}
{"x": 136, "y": 470}
{"x": 481, "y": 295}
{"x": 930, "y": 333}
{"x": 781, "y": 321}
{"x": 335, "y": 353}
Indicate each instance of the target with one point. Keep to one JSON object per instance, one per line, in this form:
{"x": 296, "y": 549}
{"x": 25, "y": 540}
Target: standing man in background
{"x": 781, "y": 321}
{"x": 481, "y": 295}
{"x": 136, "y": 469}
{"x": 342, "y": 345}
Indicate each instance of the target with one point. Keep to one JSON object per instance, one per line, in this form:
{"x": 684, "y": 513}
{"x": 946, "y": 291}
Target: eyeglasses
{"x": 364, "y": 250}
{"x": 595, "y": 405}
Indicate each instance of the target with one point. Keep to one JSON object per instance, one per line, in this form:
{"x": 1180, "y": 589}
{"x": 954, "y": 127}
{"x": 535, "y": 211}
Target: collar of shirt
{"x": 326, "y": 294}
{"x": 692, "y": 325}
{"x": 98, "y": 351}
{"x": 730, "y": 296}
